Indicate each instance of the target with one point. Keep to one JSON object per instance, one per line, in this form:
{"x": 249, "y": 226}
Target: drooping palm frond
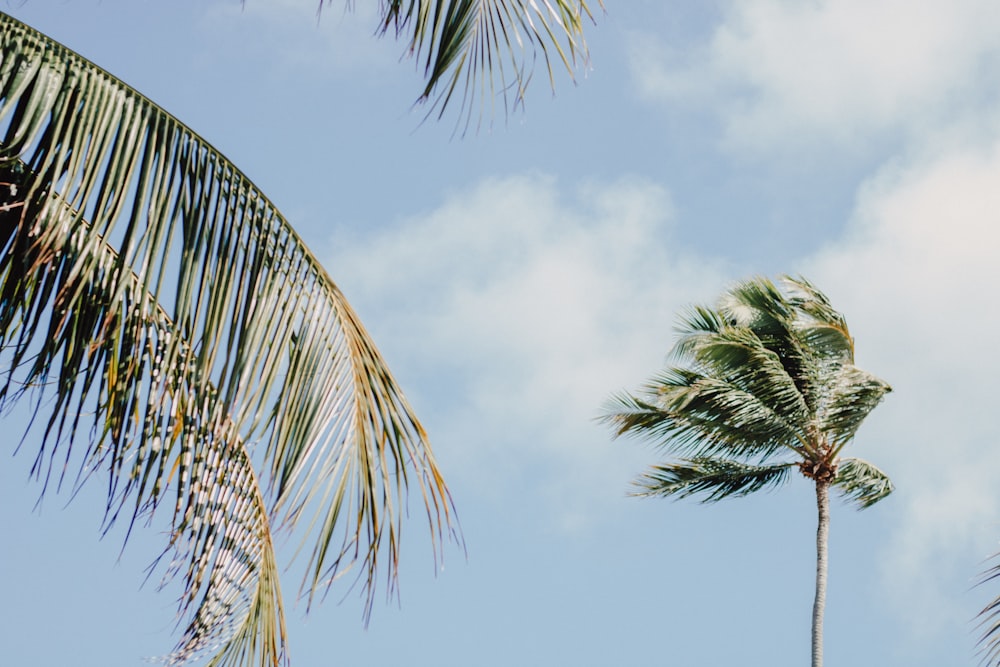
{"x": 862, "y": 482}
{"x": 481, "y": 50}
{"x": 989, "y": 621}
{"x": 714, "y": 478}
{"x": 162, "y": 318}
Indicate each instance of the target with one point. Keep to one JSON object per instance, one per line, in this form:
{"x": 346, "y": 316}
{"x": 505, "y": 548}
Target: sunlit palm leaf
{"x": 713, "y": 478}
{"x": 144, "y": 281}
{"x": 478, "y": 50}
{"x": 862, "y": 482}
{"x": 221, "y": 540}
{"x": 690, "y": 414}
{"x": 761, "y": 306}
{"x": 824, "y": 328}
{"x": 738, "y": 357}
{"x": 851, "y": 394}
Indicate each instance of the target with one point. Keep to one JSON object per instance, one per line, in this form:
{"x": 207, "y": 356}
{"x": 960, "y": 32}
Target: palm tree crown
{"x": 765, "y": 384}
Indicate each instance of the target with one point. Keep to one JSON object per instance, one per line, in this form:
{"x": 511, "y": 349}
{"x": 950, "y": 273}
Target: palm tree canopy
{"x": 167, "y": 327}
{"x": 477, "y": 51}
{"x": 764, "y": 381}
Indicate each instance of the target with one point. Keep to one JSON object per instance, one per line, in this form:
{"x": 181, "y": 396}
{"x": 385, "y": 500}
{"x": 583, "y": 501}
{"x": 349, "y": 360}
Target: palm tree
{"x": 766, "y": 384}
{"x": 172, "y": 336}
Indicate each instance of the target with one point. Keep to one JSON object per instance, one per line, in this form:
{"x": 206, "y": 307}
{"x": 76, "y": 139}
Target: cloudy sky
{"x": 517, "y": 276}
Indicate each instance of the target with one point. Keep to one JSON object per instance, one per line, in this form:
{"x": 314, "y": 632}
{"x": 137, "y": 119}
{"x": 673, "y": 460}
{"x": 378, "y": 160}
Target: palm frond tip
{"x": 476, "y": 51}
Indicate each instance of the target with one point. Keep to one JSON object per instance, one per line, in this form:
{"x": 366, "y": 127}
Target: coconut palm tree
{"x": 766, "y": 384}
{"x": 172, "y": 337}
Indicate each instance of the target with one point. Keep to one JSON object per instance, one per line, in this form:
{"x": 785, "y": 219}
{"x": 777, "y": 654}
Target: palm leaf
{"x": 989, "y": 624}
{"x": 861, "y": 482}
{"x": 824, "y": 328}
{"x": 738, "y": 357}
{"x": 145, "y": 282}
{"x": 777, "y": 321}
{"x": 484, "y": 49}
{"x": 714, "y": 478}
{"x": 849, "y": 397}
{"x": 690, "y": 414}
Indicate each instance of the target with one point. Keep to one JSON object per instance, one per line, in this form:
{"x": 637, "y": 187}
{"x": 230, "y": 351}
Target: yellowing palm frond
{"x": 169, "y": 328}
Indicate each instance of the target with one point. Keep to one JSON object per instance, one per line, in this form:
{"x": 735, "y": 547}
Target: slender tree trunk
{"x": 822, "y": 530}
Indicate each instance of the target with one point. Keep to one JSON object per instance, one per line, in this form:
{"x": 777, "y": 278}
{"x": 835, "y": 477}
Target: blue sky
{"x": 517, "y": 276}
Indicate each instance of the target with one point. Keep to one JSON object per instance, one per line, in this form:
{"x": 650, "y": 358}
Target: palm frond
{"x": 849, "y": 396}
{"x": 824, "y": 328}
{"x": 989, "y": 623}
{"x": 150, "y": 291}
{"x": 758, "y": 304}
{"x": 738, "y": 357}
{"x": 693, "y": 324}
{"x": 861, "y": 482}
{"x": 482, "y": 50}
{"x": 777, "y": 322}
{"x": 690, "y": 414}
{"x": 713, "y": 478}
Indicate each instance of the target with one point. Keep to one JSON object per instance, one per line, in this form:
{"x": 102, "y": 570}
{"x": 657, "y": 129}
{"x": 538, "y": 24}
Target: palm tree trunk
{"x": 822, "y": 530}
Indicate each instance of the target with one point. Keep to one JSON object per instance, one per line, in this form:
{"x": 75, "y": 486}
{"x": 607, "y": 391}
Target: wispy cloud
{"x": 918, "y": 275}
{"x": 790, "y": 74}
{"x": 521, "y": 306}
{"x": 515, "y": 308}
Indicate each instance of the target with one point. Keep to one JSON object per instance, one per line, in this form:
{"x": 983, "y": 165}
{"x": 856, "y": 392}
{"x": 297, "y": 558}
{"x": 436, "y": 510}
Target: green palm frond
{"x": 777, "y": 322}
{"x": 757, "y": 304}
{"x": 479, "y": 50}
{"x": 862, "y": 482}
{"x": 690, "y": 414}
{"x": 737, "y": 357}
{"x": 714, "y": 478}
{"x": 824, "y": 328}
{"x": 694, "y": 324}
{"x": 850, "y": 396}
{"x": 162, "y": 318}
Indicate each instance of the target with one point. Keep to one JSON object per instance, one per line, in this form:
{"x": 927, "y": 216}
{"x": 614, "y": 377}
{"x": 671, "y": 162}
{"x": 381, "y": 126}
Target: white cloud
{"x": 523, "y": 308}
{"x": 783, "y": 73}
{"x": 918, "y": 276}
